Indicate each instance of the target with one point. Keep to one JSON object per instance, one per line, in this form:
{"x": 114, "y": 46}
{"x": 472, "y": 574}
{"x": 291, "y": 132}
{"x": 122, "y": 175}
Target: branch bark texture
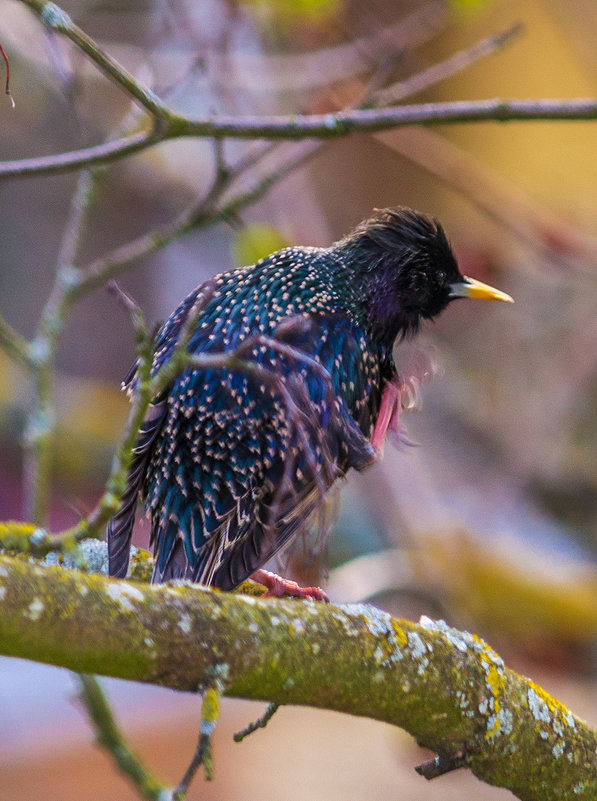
{"x": 449, "y": 689}
{"x": 165, "y": 124}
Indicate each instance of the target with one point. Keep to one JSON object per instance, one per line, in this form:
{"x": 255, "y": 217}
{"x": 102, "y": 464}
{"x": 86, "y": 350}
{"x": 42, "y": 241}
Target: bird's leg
{"x": 278, "y": 587}
{"x": 389, "y": 413}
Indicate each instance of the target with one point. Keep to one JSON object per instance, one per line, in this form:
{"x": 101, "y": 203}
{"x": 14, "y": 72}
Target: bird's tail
{"x": 120, "y": 527}
{"x": 171, "y": 559}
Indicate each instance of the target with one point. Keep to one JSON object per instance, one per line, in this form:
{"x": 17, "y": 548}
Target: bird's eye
{"x": 441, "y": 277}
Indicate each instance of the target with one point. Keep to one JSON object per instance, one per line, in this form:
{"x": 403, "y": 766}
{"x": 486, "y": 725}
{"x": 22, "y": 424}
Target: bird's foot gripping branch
{"x": 450, "y": 690}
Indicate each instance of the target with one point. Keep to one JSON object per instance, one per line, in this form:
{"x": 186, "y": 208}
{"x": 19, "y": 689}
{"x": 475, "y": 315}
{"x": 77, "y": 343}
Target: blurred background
{"x": 490, "y": 521}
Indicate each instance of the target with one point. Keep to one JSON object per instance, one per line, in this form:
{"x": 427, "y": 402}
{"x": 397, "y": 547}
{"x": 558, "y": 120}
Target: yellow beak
{"x": 471, "y": 288}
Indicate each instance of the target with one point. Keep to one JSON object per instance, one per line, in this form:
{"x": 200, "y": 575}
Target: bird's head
{"x": 407, "y": 270}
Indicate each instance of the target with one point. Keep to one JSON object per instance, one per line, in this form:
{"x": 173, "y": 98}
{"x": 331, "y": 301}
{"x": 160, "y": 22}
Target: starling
{"x": 231, "y": 461}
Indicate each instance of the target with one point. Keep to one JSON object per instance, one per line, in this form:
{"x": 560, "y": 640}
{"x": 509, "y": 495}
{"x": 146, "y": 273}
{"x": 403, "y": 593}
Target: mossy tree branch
{"x": 447, "y": 688}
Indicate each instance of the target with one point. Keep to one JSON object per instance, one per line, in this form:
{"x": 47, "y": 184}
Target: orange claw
{"x": 278, "y": 587}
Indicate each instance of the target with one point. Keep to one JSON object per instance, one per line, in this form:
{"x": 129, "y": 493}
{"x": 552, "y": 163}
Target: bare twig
{"x": 136, "y": 316}
{"x": 15, "y": 345}
{"x": 169, "y": 125}
{"x": 445, "y": 69}
{"x": 109, "y": 736}
{"x": 77, "y": 216}
{"x": 87, "y": 157}
{"x": 39, "y": 432}
{"x": 92, "y": 526}
{"x": 210, "y": 712}
{"x": 7, "y": 84}
{"x": 56, "y": 19}
{"x": 260, "y": 723}
{"x": 344, "y": 123}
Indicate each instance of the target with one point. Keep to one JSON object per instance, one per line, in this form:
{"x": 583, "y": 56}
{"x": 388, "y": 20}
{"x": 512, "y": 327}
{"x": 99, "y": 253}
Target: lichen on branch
{"x": 450, "y": 690}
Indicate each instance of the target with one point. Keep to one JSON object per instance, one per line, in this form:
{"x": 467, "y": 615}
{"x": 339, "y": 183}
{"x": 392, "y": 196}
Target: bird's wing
{"x": 120, "y": 527}
{"x": 240, "y": 463}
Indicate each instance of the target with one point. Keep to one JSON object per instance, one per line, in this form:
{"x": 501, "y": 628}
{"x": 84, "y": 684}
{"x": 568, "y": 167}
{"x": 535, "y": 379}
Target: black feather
{"x": 120, "y": 527}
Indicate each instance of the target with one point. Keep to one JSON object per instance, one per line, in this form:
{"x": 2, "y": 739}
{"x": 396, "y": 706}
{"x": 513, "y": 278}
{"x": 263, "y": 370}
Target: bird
{"x": 236, "y": 455}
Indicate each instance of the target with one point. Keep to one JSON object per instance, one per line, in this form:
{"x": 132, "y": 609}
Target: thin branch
{"x": 77, "y": 216}
{"x": 449, "y": 689}
{"x": 7, "y": 84}
{"x": 169, "y": 125}
{"x": 145, "y": 391}
{"x": 210, "y": 712}
{"x": 445, "y": 69}
{"x": 301, "y": 72}
{"x": 86, "y": 157}
{"x": 315, "y": 126}
{"x": 109, "y": 736}
{"x": 56, "y": 19}
{"x": 16, "y": 346}
{"x": 198, "y": 215}
{"x": 39, "y": 430}
{"x": 260, "y": 723}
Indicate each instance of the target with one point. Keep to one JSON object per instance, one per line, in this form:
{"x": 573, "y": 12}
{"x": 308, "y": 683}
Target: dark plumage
{"x": 227, "y": 470}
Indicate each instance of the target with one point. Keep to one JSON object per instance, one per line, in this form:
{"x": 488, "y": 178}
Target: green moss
{"x": 23, "y": 537}
{"x": 251, "y": 588}
{"x": 210, "y": 708}
{"x": 400, "y": 634}
{"x": 56, "y": 609}
{"x": 448, "y": 688}
{"x": 141, "y": 566}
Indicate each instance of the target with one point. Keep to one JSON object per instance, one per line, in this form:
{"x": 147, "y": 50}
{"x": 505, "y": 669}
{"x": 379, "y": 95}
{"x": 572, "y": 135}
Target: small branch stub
{"x": 439, "y": 767}
{"x": 210, "y": 712}
{"x": 7, "y": 85}
{"x": 260, "y": 723}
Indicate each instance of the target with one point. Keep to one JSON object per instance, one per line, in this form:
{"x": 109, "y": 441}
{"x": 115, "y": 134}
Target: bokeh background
{"x": 490, "y": 521}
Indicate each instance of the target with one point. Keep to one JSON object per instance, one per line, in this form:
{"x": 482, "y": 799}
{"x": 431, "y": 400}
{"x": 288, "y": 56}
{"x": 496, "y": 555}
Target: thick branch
{"x": 343, "y": 123}
{"x": 312, "y": 126}
{"x": 447, "y": 688}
